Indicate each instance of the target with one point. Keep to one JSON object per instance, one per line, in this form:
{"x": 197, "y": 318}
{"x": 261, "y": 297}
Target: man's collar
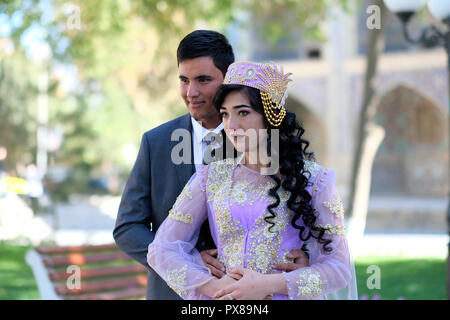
{"x": 200, "y": 132}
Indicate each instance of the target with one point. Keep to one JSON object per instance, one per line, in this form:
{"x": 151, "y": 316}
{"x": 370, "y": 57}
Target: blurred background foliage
{"x": 112, "y": 74}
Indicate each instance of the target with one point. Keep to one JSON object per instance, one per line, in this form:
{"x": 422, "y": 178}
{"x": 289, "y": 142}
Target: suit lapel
{"x": 184, "y": 171}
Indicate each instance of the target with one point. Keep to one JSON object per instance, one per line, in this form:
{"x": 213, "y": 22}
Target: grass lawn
{"x": 16, "y": 278}
{"x": 418, "y": 278}
{"x": 409, "y": 278}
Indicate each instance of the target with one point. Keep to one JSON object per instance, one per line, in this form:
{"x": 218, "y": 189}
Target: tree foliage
{"x": 126, "y": 72}
{"x": 17, "y": 93}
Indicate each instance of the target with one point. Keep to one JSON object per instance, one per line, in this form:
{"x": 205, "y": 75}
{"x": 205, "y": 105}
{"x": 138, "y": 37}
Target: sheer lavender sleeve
{"x": 172, "y": 254}
{"x": 329, "y": 272}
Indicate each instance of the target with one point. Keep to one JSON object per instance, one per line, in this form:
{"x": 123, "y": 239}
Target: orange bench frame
{"x": 98, "y": 279}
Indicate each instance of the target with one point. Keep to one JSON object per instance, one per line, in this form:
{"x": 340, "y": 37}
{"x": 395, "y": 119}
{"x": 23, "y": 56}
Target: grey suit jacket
{"x": 151, "y": 190}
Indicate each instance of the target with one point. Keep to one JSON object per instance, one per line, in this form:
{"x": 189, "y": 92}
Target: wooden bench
{"x": 91, "y": 272}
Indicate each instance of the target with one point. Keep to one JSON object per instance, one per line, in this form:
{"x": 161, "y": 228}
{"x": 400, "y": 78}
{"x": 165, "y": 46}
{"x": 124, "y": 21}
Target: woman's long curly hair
{"x": 292, "y": 153}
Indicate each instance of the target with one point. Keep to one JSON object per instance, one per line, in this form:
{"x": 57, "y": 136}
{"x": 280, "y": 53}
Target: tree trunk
{"x": 447, "y": 48}
{"x": 369, "y": 136}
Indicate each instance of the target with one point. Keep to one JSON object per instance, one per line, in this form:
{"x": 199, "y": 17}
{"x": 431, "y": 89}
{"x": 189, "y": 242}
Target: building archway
{"x": 413, "y": 157}
{"x": 315, "y": 131}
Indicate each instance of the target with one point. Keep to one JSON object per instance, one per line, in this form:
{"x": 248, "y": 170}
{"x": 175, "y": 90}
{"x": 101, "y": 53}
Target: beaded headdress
{"x": 271, "y": 82}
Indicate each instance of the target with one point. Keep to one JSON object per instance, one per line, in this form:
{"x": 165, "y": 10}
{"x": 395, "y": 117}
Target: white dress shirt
{"x": 199, "y": 132}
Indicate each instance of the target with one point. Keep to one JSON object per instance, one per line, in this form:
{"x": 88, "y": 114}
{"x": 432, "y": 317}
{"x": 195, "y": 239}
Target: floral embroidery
{"x": 245, "y": 193}
{"x": 185, "y": 193}
{"x": 335, "y": 206}
{"x": 180, "y": 216}
{"x": 309, "y": 284}
{"x": 239, "y": 193}
{"x": 213, "y": 188}
{"x": 241, "y": 185}
{"x": 284, "y": 195}
{"x": 263, "y": 249}
{"x": 310, "y": 166}
{"x": 337, "y": 230}
{"x": 176, "y": 279}
{"x": 231, "y": 233}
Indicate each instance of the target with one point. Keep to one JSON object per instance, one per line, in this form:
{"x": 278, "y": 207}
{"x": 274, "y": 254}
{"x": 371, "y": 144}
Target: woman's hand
{"x": 212, "y": 286}
{"x": 251, "y": 286}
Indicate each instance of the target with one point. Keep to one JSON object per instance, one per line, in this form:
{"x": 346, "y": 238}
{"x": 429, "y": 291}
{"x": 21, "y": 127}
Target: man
{"x": 155, "y": 180}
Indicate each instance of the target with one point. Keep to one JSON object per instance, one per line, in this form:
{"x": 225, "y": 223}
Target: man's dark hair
{"x": 206, "y": 43}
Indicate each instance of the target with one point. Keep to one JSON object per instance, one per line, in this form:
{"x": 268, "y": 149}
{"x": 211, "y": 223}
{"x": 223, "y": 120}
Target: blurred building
{"x": 410, "y": 173}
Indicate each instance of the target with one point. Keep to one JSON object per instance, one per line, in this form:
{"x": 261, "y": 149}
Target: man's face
{"x": 199, "y": 80}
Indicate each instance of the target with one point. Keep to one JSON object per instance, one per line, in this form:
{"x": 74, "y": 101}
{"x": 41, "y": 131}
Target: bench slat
{"x": 131, "y": 293}
{"x": 56, "y": 249}
{"x": 102, "y": 285}
{"x": 99, "y": 272}
{"x": 81, "y": 259}
{"x": 98, "y": 281}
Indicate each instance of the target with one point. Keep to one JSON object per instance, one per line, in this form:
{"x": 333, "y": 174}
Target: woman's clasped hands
{"x": 246, "y": 285}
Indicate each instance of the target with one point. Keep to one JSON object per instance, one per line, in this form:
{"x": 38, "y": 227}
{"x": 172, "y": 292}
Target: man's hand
{"x": 209, "y": 259}
{"x": 300, "y": 261}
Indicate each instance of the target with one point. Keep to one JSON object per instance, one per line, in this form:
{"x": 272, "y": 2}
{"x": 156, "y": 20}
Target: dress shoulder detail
{"x": 311, "y": 166}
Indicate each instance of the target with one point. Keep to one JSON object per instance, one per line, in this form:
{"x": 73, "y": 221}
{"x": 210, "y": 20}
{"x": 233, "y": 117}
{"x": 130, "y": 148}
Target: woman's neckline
{"x": 239, "y": 161}
{"x": 257, "y": 172}
{"x": 249, "y": 169}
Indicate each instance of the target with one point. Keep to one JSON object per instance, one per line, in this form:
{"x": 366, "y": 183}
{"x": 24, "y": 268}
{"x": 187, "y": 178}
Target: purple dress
{"x": 235, "y": 199}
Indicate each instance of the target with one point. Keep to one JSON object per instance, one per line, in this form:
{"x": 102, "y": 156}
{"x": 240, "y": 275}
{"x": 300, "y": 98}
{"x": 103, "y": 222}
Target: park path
{"x": 91, "y": 220}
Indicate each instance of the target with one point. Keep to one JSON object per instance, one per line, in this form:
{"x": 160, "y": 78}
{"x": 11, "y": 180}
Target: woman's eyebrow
{"x": 236, "y": 107}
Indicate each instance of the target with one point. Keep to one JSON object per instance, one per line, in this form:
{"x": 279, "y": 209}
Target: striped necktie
{"x": 209, "y": 142}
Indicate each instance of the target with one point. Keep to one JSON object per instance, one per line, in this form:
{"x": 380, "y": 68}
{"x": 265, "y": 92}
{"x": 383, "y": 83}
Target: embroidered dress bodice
{"x": 234, "y": 199}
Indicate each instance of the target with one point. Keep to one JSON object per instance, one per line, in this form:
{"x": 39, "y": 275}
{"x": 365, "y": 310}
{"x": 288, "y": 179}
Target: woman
{"x": 257, "y": 211}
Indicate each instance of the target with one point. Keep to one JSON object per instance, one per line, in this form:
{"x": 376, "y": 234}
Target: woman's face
{"x": 242, "y": 124}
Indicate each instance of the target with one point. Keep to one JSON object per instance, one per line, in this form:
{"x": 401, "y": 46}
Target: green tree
{"x": 124, "y": 54}
{"x": 17, "y": 109}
